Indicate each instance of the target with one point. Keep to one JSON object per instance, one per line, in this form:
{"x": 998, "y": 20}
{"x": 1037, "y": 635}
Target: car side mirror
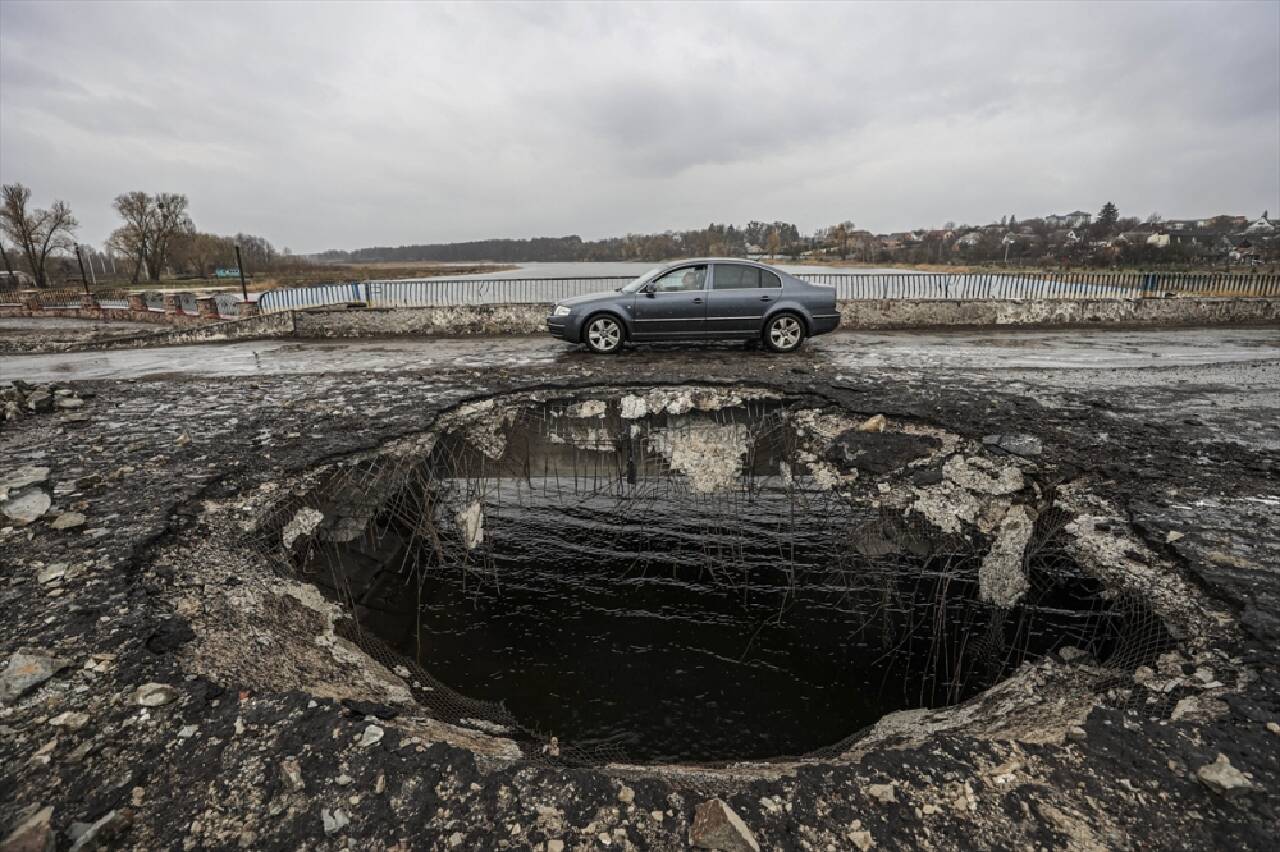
{"x": 647, "y": 290}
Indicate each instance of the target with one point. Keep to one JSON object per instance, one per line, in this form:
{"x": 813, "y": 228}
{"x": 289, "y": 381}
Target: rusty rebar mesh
{"x": 378, "y": 529}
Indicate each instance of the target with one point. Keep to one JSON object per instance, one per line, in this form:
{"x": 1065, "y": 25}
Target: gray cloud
{"x": 330, "y": 125}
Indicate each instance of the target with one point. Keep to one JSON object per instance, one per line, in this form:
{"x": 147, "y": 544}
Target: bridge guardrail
{"x": 434, "y": 292}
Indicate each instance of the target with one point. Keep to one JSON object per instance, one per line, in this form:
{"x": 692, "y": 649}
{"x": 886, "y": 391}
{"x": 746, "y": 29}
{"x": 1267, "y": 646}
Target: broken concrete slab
{"x": 26, "y": 507}
{"x": 1018, "y": 445}
{"x": 25, "y": 671}
{"x": 1002, "y": 579}
{"x": 68, "y": 520}
{"x": 982, "y": 476}
{"x": 716, "y": 826}
{"x": 1223, "y": 778}
{"x": 19, "y": 478}
{"x": 33, "y": 834}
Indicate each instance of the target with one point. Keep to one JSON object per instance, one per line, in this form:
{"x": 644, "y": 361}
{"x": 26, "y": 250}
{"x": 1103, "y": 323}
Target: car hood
{"x": 590, "y": 297}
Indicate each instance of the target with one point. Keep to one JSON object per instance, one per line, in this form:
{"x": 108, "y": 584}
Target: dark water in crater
{"x": 661, "y": 654}
{"x": 609, "y": 605}
{"x": 675, "y": 633}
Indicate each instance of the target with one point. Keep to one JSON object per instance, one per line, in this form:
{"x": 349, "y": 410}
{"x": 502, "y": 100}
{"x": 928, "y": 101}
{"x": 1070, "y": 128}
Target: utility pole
{"x": 244, "y": 290}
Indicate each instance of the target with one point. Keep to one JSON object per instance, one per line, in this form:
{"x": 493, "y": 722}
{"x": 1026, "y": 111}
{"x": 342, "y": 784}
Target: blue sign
{"x": 232, "y": 272}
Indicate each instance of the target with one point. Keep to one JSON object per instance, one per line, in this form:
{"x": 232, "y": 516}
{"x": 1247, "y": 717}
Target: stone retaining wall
{"x": 265, "y": 326}
{"x": 895, "y": 314}
{"x": 931, "y": 313}
{"x": 452, "y": 320}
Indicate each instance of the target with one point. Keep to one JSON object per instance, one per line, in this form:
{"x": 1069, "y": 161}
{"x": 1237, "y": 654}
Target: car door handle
{"x": 766, "y": 298}
{"x": 698, "y": 300}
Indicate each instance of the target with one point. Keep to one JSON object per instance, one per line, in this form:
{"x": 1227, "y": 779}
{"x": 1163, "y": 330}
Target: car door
{"x": 736, "y": 302}
{"x": 673, "y": 305}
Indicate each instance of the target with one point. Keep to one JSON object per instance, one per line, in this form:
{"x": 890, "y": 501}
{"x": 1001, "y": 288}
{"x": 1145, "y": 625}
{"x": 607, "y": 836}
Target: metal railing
{"x": 431, "y": 292}
{"x": 493, "y": 291}
{"x": 1044, "y": 285}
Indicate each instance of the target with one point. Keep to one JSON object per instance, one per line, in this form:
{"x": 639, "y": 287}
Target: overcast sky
{"x": 325, "y": 125}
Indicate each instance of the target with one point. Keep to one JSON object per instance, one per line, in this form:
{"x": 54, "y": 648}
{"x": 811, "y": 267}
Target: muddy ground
{"x": 166, "y": 696}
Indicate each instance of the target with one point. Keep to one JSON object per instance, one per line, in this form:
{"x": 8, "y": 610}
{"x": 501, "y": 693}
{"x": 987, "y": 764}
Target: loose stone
{"x": 25, "y": 672}
{"x": 1223, "y": 778}
{"x": 155, "y": 694}
{"x": 716, "y": 826}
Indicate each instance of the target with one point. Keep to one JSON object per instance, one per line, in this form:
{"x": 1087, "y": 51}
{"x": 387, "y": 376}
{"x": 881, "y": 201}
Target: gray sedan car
{"x": 718, "y": 298}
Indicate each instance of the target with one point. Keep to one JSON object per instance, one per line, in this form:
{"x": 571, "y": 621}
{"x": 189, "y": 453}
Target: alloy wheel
{"x": 604, "y": 334}
{"x": 785, "y": 333}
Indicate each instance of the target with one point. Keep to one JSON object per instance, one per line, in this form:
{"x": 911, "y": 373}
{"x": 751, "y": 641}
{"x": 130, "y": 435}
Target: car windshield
{"x": 642, "y": 280}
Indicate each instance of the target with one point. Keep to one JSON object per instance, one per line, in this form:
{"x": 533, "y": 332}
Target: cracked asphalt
{"x": 1058, "y": 350}
{"x": 259, "y": 738}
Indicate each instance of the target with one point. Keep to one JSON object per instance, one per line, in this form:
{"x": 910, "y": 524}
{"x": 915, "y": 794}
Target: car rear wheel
{"x": 784, "y": 333}
{"x": 603, "y": 334}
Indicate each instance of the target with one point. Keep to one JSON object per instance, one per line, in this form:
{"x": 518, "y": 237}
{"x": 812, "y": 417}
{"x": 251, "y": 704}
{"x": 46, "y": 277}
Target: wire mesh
{"x": 724, "y": 500}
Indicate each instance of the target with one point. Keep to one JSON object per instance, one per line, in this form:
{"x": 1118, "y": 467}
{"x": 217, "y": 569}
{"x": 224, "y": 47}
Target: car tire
{"x": 783, "y": 332}
{"x": 603, "y": 334}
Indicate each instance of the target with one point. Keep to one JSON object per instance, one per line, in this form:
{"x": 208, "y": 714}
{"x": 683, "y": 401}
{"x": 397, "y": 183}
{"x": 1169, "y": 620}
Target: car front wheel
{"x": 603, "y": 335}
{"x": 784, "y": 333}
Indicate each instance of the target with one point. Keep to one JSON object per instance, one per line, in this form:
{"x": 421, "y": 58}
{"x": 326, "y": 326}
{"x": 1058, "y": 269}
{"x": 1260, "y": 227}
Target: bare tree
{"x": 36, "y": 232}
{"x": 256, "y": 252}
{"x": 171, "y": 219}
{"x": 200, "y": 253}
{"x": 150, "y": 225}
{"x": 130, "y": 239}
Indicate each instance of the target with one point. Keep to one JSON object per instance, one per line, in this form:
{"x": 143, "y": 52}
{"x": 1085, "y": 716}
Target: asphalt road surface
{"x": 988, "y": 350}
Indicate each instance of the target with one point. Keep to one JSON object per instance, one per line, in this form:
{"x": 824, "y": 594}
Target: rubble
{"x": 155, "y": 694}
{"x": 68, "y": 520}
{"x": 1001, "y": 579}
{"x": 34, "y": 834}
{"x": 1223, "y": 778}
{"x": 716, "y": 826}
{"x": 1018, "y": 445}
{"x": 25, "y": 671}
{"x": 27, "y": 507}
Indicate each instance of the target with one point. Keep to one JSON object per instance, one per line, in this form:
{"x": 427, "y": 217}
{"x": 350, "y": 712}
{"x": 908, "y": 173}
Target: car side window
{"x": 684, "y": 278}
{"x": 735, "y": 277}
{"x": 769, "y": 279}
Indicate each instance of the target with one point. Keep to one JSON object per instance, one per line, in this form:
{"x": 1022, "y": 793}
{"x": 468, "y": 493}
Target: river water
{"x": 604, "y": 269}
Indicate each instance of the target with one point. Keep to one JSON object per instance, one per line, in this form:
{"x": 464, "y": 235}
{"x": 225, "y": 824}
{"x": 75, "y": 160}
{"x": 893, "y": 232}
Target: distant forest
{"x": 720, "y": 240}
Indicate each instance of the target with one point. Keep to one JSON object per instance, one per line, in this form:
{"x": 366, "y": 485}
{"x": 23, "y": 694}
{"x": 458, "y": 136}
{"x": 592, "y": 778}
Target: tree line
{"x": 724, "y": 240}
{"x": 156, "y": 237}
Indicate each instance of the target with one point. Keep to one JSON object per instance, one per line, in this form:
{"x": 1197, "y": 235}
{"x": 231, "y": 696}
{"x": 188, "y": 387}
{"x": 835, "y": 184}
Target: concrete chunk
{"x": 716, "y": 826}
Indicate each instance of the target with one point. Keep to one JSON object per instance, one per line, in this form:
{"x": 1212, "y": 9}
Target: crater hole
{"x": 692, "y": 574}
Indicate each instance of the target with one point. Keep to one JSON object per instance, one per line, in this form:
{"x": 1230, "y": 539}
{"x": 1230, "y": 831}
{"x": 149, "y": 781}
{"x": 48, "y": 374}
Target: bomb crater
{"x": 689, "y": 574}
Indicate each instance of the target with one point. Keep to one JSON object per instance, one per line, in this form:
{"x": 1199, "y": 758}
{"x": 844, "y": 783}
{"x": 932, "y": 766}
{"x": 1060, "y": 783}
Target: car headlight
{"x": 561, "y": 311}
